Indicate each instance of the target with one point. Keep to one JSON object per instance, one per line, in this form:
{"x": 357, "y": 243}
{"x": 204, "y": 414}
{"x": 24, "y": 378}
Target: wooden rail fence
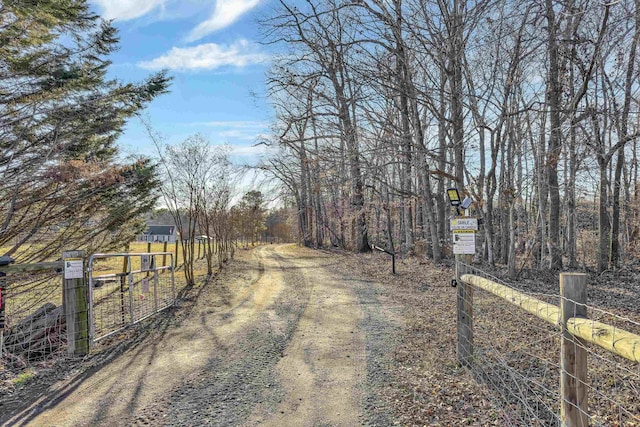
{"x": 570, "y": 317}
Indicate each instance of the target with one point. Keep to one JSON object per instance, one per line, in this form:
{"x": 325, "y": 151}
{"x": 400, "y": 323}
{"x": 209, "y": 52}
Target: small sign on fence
{"x": 145, "y": 285}
{"x": 73, "y": 268}
{"x": 145, "y": 261}
{"x": 464, "y": 242}
{"x": 75, "y": 303}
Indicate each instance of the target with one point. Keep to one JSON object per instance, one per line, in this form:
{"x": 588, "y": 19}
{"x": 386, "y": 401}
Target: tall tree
{"x": 252, "y": 214}
{"x": 186, "y": 171}
{"x": 472, "y": 94}
{"x": 60, "y": 117}
{"x": 322, "y": 33}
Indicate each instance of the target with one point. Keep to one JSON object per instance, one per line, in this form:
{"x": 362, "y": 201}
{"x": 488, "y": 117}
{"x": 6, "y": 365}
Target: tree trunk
{"x": 604, "y": 226}
{"x": 554, "y": 93}
{"x": 456, "y": 51}
{"x": 511, "y": 263}
{"x": 615, "y": 226}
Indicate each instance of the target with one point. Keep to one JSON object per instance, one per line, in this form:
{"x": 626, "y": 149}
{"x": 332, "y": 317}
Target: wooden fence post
{"x": 465, "y": 313}
{"x": 164, "y": 256}
{"x": 76, "y": 303}
{"x": 573, "y": 354}
{"x": 175, "y": 263}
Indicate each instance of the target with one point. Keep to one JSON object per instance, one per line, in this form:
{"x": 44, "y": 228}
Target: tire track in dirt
{"x": 275, "y": 340}
{"x": 323, "y": 367}
{"x": 140, "y": 377}
{"x": 243, "y": 376}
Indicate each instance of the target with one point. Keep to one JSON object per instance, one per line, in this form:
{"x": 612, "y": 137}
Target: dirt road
{"x": 281, "y": 338}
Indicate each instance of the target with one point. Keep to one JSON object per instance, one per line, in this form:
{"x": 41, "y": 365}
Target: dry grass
{"x": 116, "y": 264}
{"x": 514, "y": 378}
{"x": 427, "y": 387}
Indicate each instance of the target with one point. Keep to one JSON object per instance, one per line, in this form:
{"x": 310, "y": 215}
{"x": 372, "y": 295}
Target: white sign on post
{"x": 145, "y": 260}
{"x": 145, "y": 285}
{"x": 73, "y": 268}
{"x": 464, "y": 242}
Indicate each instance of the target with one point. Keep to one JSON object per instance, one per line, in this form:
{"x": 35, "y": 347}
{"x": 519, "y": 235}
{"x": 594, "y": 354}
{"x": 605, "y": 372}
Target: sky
{"x": 212, "y": 50}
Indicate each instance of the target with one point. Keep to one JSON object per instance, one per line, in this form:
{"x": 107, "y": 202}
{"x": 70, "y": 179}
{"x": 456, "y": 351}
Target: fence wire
{"x": 144, "y": 286}
{"x": 34, "y": 333}
{"x": 523, "y": 373}
{"x": 34, "y": 330}
{"x": 614, "y": 382}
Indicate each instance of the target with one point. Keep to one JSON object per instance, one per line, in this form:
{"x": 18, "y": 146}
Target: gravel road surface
{"x": 283, "y": 337}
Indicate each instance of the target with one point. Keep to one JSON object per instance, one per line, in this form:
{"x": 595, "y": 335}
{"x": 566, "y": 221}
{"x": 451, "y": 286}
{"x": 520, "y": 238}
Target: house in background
{"x": 159, "y": 233}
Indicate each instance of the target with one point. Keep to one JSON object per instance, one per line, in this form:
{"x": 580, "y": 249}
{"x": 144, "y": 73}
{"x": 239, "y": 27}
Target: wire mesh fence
{"x": 43, "y": 317}
{"x": 34, "y": 323}
{"x": 518, "y": 356}
{"x": 614, "y": 381}
{"x": 127, "y": 288}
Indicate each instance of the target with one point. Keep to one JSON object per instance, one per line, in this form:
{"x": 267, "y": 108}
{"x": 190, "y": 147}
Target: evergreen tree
{"x": 252, "y": 212}
{"x": 61, "y": 185}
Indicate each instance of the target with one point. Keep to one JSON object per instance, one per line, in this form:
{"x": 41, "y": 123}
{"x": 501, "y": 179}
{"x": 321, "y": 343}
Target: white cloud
{"x": 235, "y": 134}
{"x": 234, "y": 130}
{"x": 125, "y": 10}
{"x": 239, "y": 124}
{"x": 209, "y": 56}
{"x": 225, "y": 13}
{"x": 250, "y": 150}
{"x": 238, "y": 130}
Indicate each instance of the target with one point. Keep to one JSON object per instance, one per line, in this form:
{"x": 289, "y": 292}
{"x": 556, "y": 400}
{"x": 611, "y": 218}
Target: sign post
{"x": 76, "y": 303}
{"x": 464, "y": 247}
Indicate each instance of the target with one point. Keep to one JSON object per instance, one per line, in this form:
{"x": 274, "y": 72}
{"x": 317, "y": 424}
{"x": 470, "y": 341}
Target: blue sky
{"x": 211, "y": 48}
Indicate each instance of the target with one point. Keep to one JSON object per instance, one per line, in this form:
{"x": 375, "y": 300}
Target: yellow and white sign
{"x": 463, "y": 224}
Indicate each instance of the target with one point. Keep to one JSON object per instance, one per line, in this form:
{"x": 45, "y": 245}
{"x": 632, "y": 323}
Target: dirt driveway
{"x": 280, "y": 338}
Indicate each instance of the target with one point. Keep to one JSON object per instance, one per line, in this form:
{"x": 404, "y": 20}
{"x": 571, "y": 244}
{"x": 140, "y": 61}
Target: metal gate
{"x": 127, "y": 288}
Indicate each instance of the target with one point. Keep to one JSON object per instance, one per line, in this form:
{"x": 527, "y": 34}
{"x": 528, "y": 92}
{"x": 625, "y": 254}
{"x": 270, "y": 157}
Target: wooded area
{"x": 528, "y": 107}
